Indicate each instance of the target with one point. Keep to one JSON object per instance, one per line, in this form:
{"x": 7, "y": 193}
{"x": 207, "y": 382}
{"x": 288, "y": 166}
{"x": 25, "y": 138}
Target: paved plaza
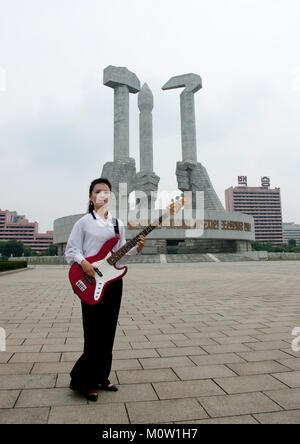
{"x": 196, "y": 343}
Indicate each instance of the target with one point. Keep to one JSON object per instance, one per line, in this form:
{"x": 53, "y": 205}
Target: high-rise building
{"x": 263, "y": 203}
{"x": 291, "y": 231}
{"x": 16, "y": 227}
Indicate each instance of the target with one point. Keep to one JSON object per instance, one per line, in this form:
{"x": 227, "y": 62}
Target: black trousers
{"x": 99, "y": 327}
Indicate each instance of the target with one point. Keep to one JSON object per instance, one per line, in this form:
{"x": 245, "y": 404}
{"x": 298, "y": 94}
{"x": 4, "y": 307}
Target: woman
{"x": 89, "y": 233}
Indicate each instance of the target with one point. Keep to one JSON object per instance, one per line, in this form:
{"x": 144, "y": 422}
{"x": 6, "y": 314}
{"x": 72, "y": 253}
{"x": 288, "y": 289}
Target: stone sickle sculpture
{"x": 191, "y": 175}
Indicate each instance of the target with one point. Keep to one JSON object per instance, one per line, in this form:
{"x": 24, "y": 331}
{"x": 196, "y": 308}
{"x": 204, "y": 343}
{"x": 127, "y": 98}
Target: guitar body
{"x": 91, "y": 290}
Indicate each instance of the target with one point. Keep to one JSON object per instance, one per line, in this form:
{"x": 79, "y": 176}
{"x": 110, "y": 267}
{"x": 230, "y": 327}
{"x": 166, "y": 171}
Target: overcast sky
{"x": 56, "y": 116}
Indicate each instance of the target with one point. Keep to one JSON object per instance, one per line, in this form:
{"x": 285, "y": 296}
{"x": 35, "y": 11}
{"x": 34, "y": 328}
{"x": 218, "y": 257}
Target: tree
{"x": 2, "y": 245}
{"x": 27, "y": 251}
{"x": 52, "y": 250}
{"x": 14, "y": 248}
{"x": 292, "y": 243}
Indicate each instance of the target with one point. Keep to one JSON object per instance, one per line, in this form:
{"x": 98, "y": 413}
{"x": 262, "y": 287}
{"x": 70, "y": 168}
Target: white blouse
{"x": 88, "y": 235}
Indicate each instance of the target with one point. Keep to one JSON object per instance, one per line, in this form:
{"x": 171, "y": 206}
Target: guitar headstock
{"x": 176, "y": 206}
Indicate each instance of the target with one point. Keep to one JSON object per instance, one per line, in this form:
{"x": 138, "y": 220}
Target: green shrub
{"x": 12, "y": 265}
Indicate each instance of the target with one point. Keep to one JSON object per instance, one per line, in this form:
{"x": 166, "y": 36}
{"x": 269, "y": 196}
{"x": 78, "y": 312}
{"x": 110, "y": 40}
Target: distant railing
{"x": 41, "y": 259}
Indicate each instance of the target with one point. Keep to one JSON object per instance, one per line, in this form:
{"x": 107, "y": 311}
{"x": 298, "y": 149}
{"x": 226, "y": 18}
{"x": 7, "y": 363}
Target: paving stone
{"x": 5, "y": 356}
{"x": 126, "y": 393}
{"x": 257, "y": 368}
{"x": 287, "y": 398}
{"x": 51, "y": 367}
{"x": 235, "y": 340}
{"x": 24, "y": 416}
{"x": 130, "y": 354}
{"x": 71, "y": 340}
{"x": 23, "y": 348}
{"x": 49, "y": 397}
{"x": 239, "y": 404}
{"x": 242, "y": 419}
{"x": 8, "y": 398}
{"x": 139, "y": 376}
{"x": 268, "y": 345}
{"x": 231, "y": 348}
{"x": 89, "y": 414}
{"x": 62, "y": 347}
{"x": 70, "y": 356}
{"x": 254, "y": 383}
{"x": 216, "y": 359}
{"x": 170, "y": 362}
{"x": 273, "y": 336}
{"x": 167, "y": 336}
{"x": 125, "y": 364}
{"x": 152, "y": 412}
{"x": 135, "y": 338}
{"x": 203, "y": 341}
{"x": 265, "y": 355}
{"x": 35, "y": 357}
{"x": 27, "y": 381}
{"x": 291, "y": 363}
{"x": 180, "y": 351}
{"x": 203, "y": 372}
{"x": 291, "y": 379}
{"x": 144, "y": 345}
{"x": 15, "y": 369}
{"x": 186, "y": 389}
{"x": 287, "y": 417}
{"x": 253, "y": 332}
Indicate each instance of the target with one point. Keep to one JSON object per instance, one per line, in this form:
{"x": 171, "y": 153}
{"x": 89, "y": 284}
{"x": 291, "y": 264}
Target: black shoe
{"x": 108, "y": 387}
{"x": 91, "y": 394}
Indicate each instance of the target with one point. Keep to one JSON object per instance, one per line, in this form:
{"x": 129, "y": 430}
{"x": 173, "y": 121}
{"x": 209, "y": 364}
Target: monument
{"x": 221, "y": 231}
{"x": 122, "y": 169}
{"x": 191, "y": 175}
{"x": 146, "y": 180}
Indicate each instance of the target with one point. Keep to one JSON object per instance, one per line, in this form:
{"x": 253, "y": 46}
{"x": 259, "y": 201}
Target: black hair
{"x": 100, "y": 180}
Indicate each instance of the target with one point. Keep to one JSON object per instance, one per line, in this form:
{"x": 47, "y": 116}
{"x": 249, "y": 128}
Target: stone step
{"x": 232, "y": 257}
{"x": 188, "y": 258}
{"x": 185, "y": 258}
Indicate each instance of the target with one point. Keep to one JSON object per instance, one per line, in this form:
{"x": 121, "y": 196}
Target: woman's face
{"x": 100, "y": 196}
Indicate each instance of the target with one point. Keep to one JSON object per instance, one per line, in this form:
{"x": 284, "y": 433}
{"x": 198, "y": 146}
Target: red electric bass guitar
{"x": 90, "y": 290}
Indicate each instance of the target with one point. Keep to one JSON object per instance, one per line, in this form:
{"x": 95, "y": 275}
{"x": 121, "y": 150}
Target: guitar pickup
{"x": 88, "y": 279}
{"x": 98, "y": 272}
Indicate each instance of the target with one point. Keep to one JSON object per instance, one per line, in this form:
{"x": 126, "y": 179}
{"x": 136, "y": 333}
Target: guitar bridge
{"x": 81, "y": 285}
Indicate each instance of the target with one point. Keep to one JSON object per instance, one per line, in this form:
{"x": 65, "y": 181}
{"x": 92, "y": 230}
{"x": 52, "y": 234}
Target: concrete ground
{"x": 196, "y": 343}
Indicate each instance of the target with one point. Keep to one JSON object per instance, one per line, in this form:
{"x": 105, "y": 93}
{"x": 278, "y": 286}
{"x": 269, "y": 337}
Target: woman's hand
{"x": 88, "y": 268}
{"x": 141, "y": 243}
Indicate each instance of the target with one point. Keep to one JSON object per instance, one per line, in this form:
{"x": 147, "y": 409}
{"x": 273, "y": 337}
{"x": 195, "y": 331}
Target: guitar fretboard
{"x": 115, "y": 257}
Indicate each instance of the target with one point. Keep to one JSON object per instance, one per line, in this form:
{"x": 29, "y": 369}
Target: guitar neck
{"x": 115, "y": 257}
